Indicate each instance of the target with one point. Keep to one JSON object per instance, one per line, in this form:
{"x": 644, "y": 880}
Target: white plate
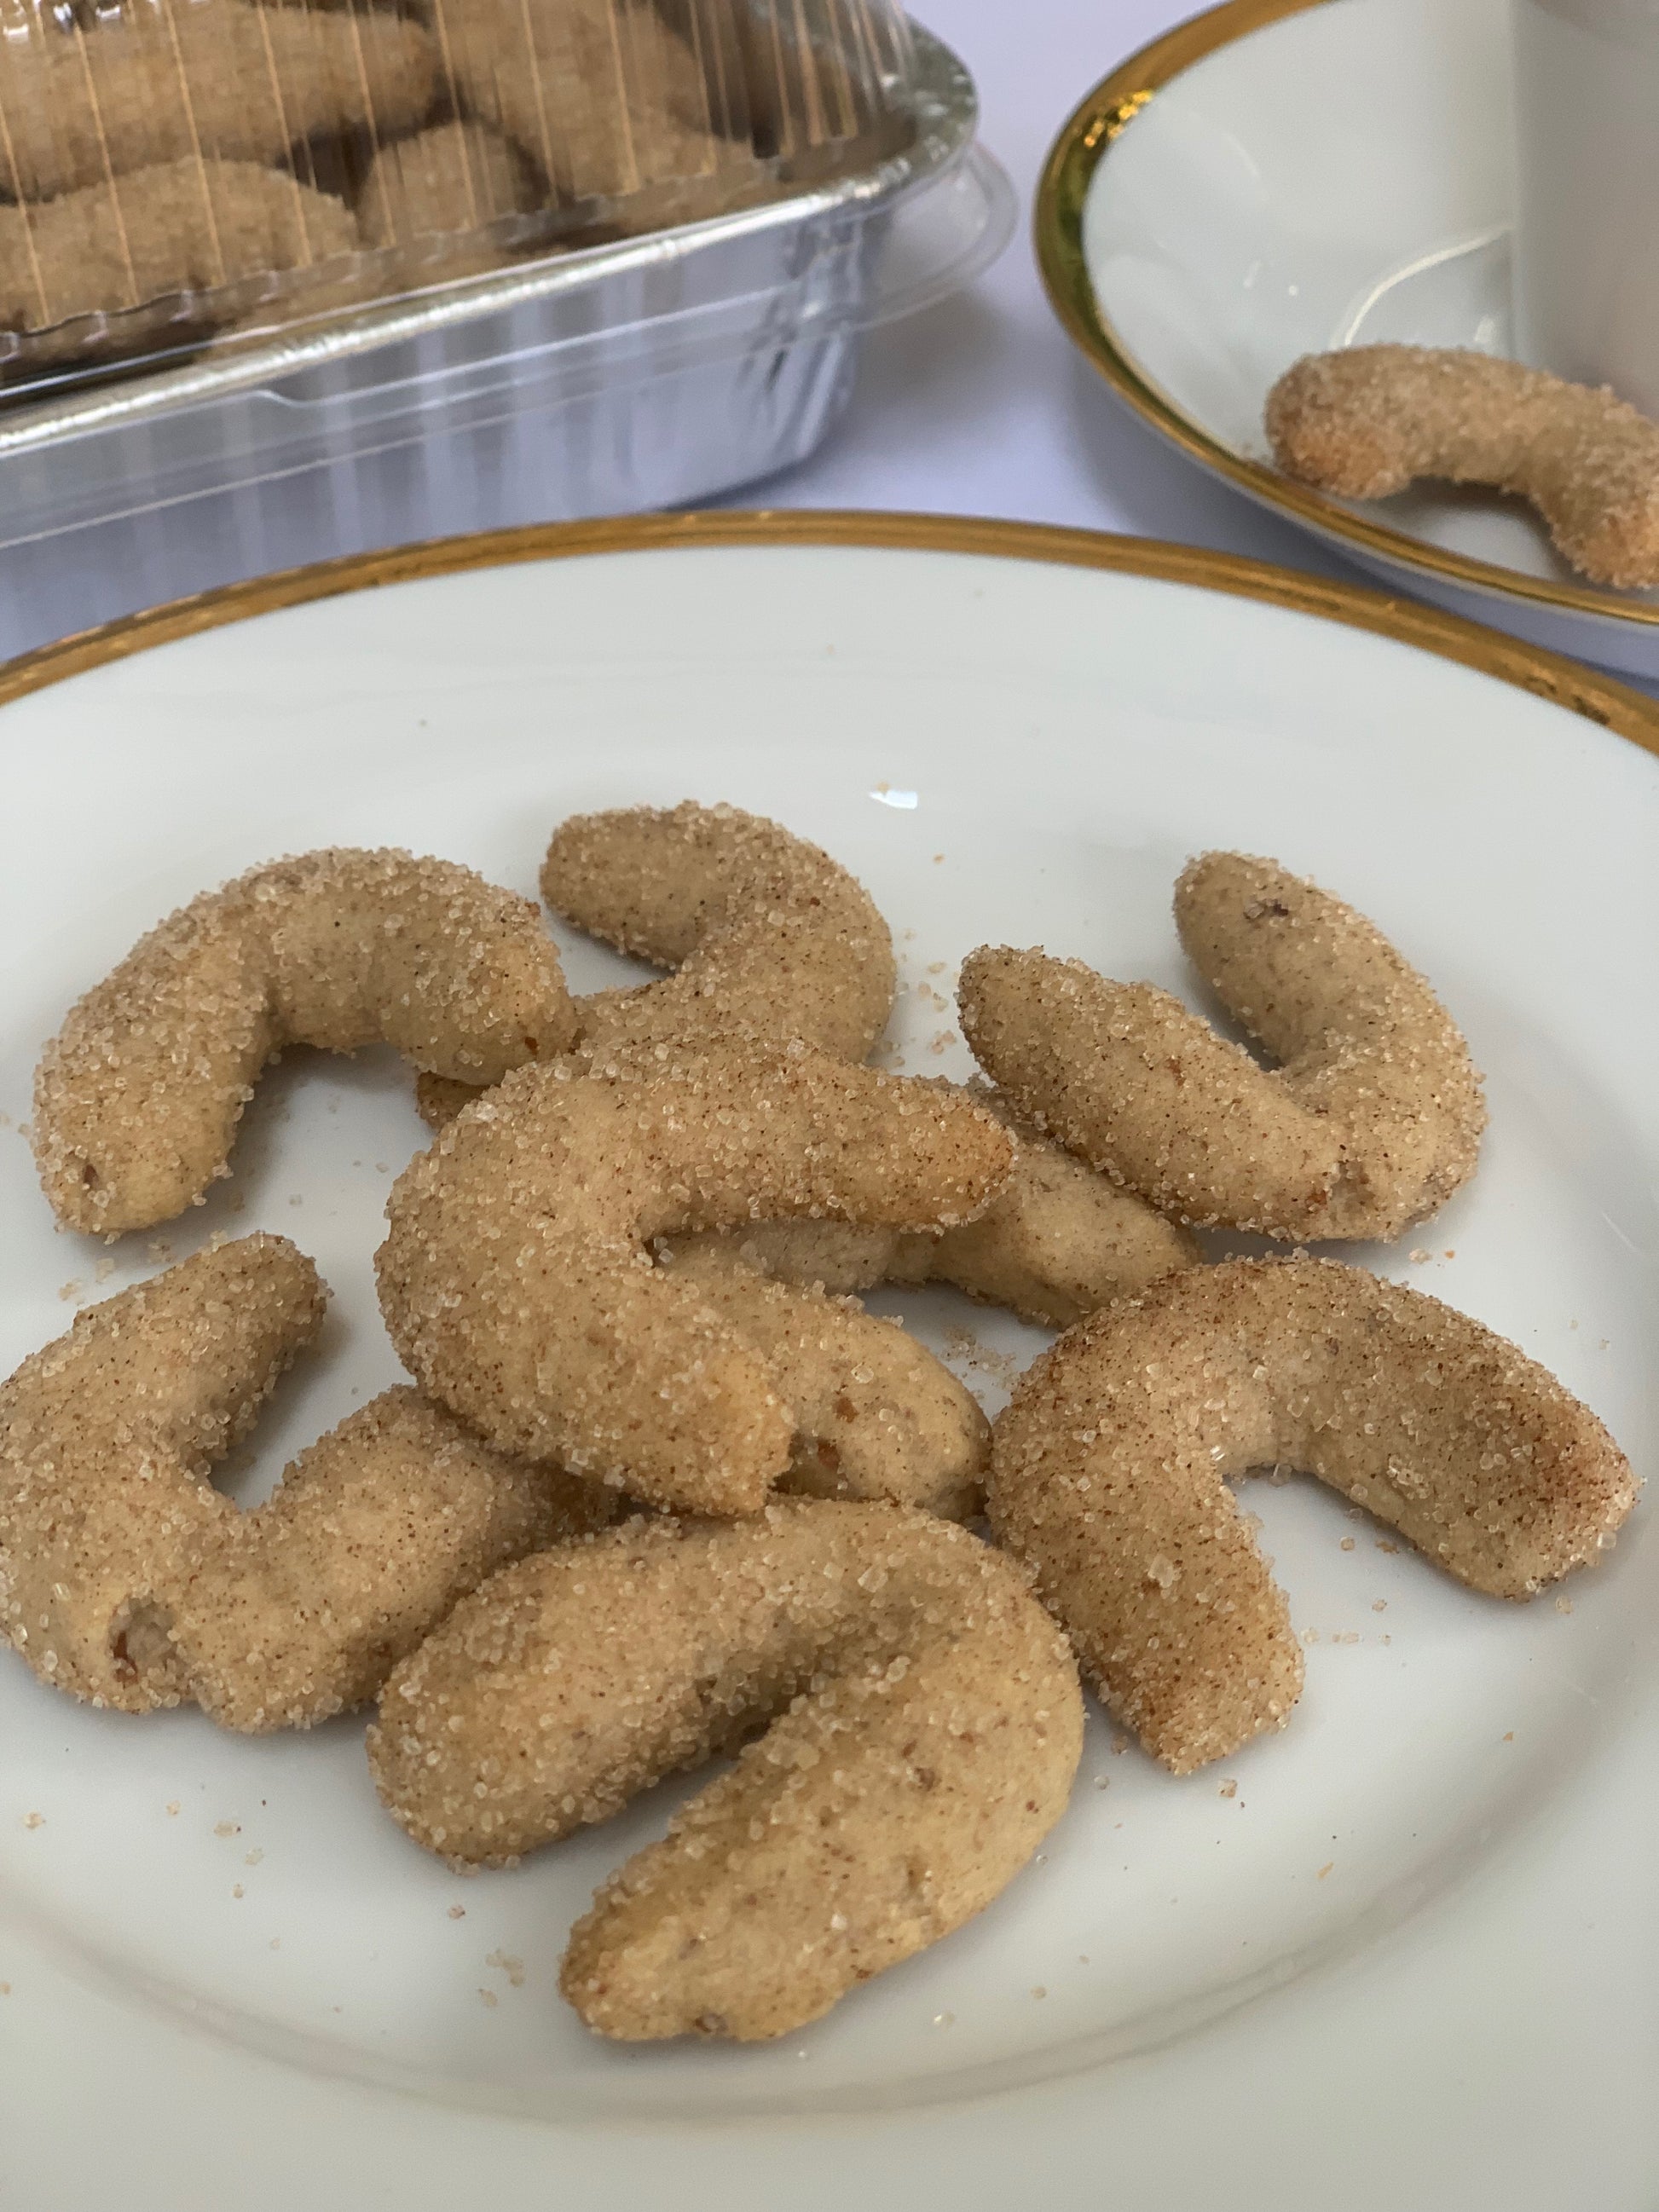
{"x": 1282, "y": 176}
{"x": 1411, "y": 1960}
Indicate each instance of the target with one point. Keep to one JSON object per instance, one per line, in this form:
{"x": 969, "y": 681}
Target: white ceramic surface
{"x": 1410, "y": 1961}
{"x": 1343, "y": 176}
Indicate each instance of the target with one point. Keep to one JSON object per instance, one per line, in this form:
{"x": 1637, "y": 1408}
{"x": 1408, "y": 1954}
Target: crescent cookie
{"x": 516, "y": 1277}
{"x": 150, "y": 235}
{"x": 875, "y": 1415}
{"x": 771, "y": 941}
{"x": 1110, "y": 1468}
{"x": 1368, "y": 421}
{"x": 606, "y": 105}
{"x": 125, "y": 1579}
{"x": 177, "y": 81}
{"x": 1370, "y": 1120}
{"x": 922, "y": 1723}
{"x": 137, "y": 1097}
{"x": 1056, "y": 1241}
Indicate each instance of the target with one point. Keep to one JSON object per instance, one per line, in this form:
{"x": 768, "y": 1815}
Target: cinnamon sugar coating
{"x": 127, "y": 1579}
{"x": 516, "y": 1279}
{"x": 1110, "y": 1463}
{"x": 1056, "y": 1241}
{"x": 875, "y": 1415}
{"x": 1367, "y": 421}
{"x": 105, "y": 1438}
{"x": 301, "y": 1608}
{"x": 137, "y": 1097}
{"x": 925, "y": 1727}
{"x": 771, "y": 941}
{"x": 1370, "y": 1120}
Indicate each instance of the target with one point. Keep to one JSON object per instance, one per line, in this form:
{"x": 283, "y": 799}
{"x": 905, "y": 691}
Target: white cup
{"x": 1586, "y": 258}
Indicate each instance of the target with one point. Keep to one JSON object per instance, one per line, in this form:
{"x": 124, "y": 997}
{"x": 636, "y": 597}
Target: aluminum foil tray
{"x": 654, "y": 372}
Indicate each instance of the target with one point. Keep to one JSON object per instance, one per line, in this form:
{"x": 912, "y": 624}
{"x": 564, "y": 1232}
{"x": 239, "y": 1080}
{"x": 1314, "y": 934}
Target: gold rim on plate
{"x": 1551, "y": 676}
{"x": 1076, "y": 155}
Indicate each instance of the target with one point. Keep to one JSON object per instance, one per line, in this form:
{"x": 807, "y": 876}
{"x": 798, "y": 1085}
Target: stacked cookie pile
{"x": 662, "y": 1488}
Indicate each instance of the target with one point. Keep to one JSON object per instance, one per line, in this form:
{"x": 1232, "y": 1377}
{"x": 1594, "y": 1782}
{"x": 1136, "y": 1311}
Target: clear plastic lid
{"x": 181, "y": 169}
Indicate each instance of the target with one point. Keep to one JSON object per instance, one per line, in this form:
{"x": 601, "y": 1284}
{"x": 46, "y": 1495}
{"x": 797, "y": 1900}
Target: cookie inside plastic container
{"x": 185, "y": 171}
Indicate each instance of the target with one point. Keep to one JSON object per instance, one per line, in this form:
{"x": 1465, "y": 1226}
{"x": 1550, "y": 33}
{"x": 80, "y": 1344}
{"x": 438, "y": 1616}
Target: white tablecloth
{"x": 980, "y": 406}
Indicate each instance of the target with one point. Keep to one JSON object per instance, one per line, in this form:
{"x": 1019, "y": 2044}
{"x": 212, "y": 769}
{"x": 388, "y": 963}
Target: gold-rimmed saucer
{"x": 1279, "y": 176}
